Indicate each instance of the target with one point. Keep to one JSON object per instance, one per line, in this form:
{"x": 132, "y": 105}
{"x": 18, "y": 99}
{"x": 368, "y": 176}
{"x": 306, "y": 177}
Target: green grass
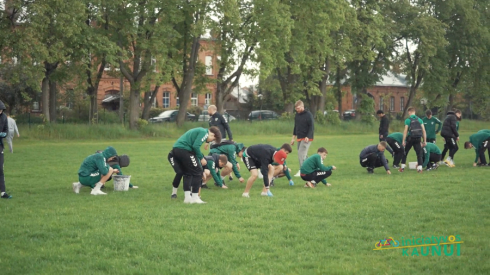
{"x": 47, "y": 229}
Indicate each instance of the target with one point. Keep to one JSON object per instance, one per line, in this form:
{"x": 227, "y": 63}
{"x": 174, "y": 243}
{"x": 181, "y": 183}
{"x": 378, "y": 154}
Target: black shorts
{"x": 185, "y": 162}
{"x": 251, "y": 163}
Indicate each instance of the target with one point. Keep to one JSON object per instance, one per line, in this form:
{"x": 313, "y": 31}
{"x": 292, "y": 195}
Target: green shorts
{"x": 91, "y": 180}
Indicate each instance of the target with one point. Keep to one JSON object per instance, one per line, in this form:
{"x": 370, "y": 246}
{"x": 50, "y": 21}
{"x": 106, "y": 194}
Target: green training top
{"x": 96, "y": 163}
{"x": 477, "y": 141}
{"x": 430, "y": 126}
{"x": 230, "y": 151}
{"x": 212, "y": 168}
{"x": 314, "y": 164}
{"x": 192, "y": 141}
{"x": 430, "y": 148}
{"x": 396, "y": 136}
{"x": 407, "y": 122}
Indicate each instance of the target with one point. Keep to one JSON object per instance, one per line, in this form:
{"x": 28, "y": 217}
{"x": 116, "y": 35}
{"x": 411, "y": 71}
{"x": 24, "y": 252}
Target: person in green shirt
{"x": 395, "y": 141}
{"x": 95, "y": 171}
{"x": 430, "y": 123}
{"x": 211, "y": 170}
{"x": 481, "y": 142}
{"x": 313, "y": 171}
{"x": 432, "y": 155}
{"x": 412, "y": 135}
{"x": 231, "y": 149}
{"x": 187, "y": 161}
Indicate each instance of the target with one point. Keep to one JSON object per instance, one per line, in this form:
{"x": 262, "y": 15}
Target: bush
{"x": 320, "y": 118}
{"x": 142, "y": 123}
{"x": 333, "y": 117}
{"x": 366, "y": 109}
{"x": 286, "y": 117}
{"x": 196, "y": 110}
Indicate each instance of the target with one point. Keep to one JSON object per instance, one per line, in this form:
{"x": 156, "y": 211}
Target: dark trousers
{"x": 398, "y": 149}
{"x": 372, "y": 161}
{"x": 2, "y": 175}
{"x": 433, "y": 158}
{"x": 431, "y": 140}
{"x": 481, "y": 152}
{"x": 415, "y": 143}
{"x": 317, "y": 176}
{"x": 186, "y": 165}
{"x": 451, "y": 146}
{"x": 385, "y": 137}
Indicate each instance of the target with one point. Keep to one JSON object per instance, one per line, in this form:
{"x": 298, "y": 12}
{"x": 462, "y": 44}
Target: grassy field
{"x": 47, "y": 229}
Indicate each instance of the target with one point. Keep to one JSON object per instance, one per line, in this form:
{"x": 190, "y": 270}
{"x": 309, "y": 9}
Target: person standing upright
{"x": 12, "y": 130}
{"x": 304, "y": 127}
{"x": 384, "y": 126}
{"x": 4, "y": 129}
{"x": 412, "y": 135}
{"x": 216, "y": 119}
{"x": 451, "y": 136}
{"x": 430, "y": 123}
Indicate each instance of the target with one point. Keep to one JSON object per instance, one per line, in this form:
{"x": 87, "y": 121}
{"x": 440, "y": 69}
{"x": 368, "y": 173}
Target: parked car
{"x": 349, "y": 114}
{"x": 335, "y": 111}
{"x": 170, "y": 116}
{"x": 204, "y": 116}
{"x": 262, "y": 115}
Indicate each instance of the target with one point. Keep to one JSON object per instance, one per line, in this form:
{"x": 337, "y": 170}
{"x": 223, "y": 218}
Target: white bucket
{"x": 121, "y": 182}
{"x": 412, "y": 165}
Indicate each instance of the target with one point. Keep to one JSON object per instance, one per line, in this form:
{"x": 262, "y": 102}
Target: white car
{"x": 204, "y": 116}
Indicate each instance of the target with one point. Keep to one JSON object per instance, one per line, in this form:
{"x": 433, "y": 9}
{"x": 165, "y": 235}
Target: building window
{"x": 381, "y": 107}
{"x": 208, "y": 99}
{"x": 194, "y": 99}
{"x": 107, "y": 67}
{"x": 392, "y": 104}
{"x": 209, "y": 65}
{"x": 35, "y": 106}
{"x": 178, "y": 102}
{"x": 166, "y": 99}
{"x": 402, "y": 103}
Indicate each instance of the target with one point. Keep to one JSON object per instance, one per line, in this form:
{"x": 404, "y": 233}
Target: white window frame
{"x": 208, "y": 99}
{"x": 381, "y": 105}
{"x": 178, "y": 102}
{"x": 208, "y": 61}
{"x": 392, "y": 104}
{"x": 402, "y": 103}
{"x": 194, "y": 99}
{"x": 167, "y": 97}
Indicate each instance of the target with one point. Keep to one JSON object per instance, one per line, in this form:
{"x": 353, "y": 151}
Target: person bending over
{"x": 373, "y": 157}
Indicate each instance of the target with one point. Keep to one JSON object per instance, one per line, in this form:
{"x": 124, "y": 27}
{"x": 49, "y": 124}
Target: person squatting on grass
{"x": 450, "y": 134}
{"x": 313, "y": 171}
{"x": 261, "y": 156}
{"x": 430, "y": 123}
{"x": 395, "y": 141}
{"x": 95, "y": 171}
{"x": 216, "y": 119}
{"x": 304, "y": 126}
{"x": 280, "y": 170}
{"x": 4, "y": 129}
{"x": 414, "y": 131}
{"x": 384, "y": 126}
{"x": 211, "y": 170}
{"x": 188, "y": 161}
{"x": 481, "y": 142}
{"x": 432, "y": 155}
{"x": 12, "y": 130}
{"x": 231, "y": 150}
{"x": 373, "y": 157}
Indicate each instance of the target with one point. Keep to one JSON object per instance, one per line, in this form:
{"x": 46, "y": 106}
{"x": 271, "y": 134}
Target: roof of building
{"x": 392, "y": 80}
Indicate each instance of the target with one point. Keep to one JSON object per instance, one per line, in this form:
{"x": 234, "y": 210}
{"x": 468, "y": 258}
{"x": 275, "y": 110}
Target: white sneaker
{"x": 197, "y": 200}
{"x": 96, "y": 192}
{"x": 76, "y": 187}
{"x": 245, "y": 195}
{"x": 261, "y": 176}
{"x": 188, "y": 200}
{"x": 298, "y": 174}
{"x": 135, "y": 187}
{"x": 263, "y": 194}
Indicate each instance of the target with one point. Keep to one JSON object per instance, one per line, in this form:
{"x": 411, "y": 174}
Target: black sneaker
{"x": 370, "y": 171}
{"x": 174, "y": 196}
{"x": 230, "y": 178}
{"x": 6, "y": 196}
{"x": 272, "y": 183}
{"x": 396, "y": 166}
{"x": 204, "y": 186}
{"x": 103, "y": 186}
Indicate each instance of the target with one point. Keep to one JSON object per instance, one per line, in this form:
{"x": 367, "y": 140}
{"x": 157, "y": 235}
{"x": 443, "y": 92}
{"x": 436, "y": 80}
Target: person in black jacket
{"x": 261, "y": 156}
{"x": 384, "y": 125}
{"x": 373, "y": 157}
{"x": 216, "y": 119}
{"x": 303, "y": 131}
{"x": 451, "y": 136}
{"x": 4, "y": 130}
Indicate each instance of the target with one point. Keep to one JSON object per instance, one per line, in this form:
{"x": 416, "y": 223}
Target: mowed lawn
{"x": 47, "y": 229}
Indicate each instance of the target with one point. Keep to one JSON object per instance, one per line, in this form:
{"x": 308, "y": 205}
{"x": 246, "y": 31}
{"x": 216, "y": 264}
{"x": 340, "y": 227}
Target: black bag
{"x": 415, "y": 128}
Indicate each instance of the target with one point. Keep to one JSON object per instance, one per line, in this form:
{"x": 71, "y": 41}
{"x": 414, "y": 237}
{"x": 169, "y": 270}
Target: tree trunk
{"x": 323, "y": 90}
{"x": 52, "y": 101}
{"x": 450, "y": 104}
{"x": 411, "y": 96}
{"x": 45, "y": 97}
{"x": 149, "y": 98}
{"x": 338, "y": 92}
{"x": 220, "y": 97}
{"x": 186, "y": 87}
{"x": 134, "y": 106}
{"x": 93, "y": 116}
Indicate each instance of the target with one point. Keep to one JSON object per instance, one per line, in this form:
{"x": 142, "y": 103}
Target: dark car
{"x": 262, "y": 115}
{"x": 171, "y": 116}
{"x": 349, "y": 114}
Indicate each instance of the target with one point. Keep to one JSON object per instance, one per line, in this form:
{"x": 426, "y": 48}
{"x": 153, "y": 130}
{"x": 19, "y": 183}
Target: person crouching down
{"x": 95, "y": 171}
{"x": 373, "y": 157}
{"x": 211, "y": 170}
{"x": 313, "y": 171}
{"x": 432, "y": 155}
